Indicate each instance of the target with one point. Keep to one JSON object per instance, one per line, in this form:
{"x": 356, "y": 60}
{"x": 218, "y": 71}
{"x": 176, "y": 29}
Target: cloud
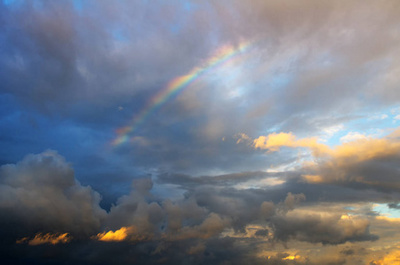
{"x": 273, "y": 142}
{"x": 73, "y": 72}
{"x": 84, "y": 84}
{"x": 46, "y": 239}
{"x": 118, "y": 235}
{"x": 190, "y": 182}
{"x": 207, "y": 212}
{"x": 246, "y": 207}
{"x": 394, "y": 205}
{"x": 262, "y": 232}
{"x": 196, "y": 249}
{"x": 391, "y": 256}
{"x": 325, "y": 229}
{"x": 283, "y": 258}
{"x": 212, "y": 226}
{"x": 357, "y": 162}
{"x": 41, "y": 193}
{"x": 367, "y": 163}
{"x": 207, "y": 219}
{"x": 352, "y": 136}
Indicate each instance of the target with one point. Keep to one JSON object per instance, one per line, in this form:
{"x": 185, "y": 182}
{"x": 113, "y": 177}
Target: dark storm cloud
{"x": 41, "y": 194}
{"x": 39, "y": 54}
{"x": 231, "y": 203}
{"x": 214, "y": 251}
{"x": 244, "y": 207}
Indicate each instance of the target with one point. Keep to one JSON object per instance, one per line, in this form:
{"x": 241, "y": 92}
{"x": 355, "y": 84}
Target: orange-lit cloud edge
{"x": 114, "y": 236}
{"x": 48, "y": 238}
{"x": 359, "y": 149}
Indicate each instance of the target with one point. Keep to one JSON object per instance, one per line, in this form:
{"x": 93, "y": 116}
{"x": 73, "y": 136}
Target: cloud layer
{"x": 249, "y": 132}
{"x": 41, "y": 195}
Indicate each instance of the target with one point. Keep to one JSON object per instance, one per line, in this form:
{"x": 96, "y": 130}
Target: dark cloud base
{"x": 187, "y": 230}
{"x": 215, "y": 252}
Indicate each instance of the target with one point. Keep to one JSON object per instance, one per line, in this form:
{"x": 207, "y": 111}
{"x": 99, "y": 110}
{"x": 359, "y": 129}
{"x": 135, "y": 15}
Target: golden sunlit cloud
{"x": 119, "y": 235}
{"x": 129, "y": 233}
{"x": 392, "y": 258}
{"x": 329, "y": 164}
{"x": 285, "y": 256}
{"x": 212, "y": 226}
{"x": 313, "y": 178}
{"x": 292, "y": 257}
{"x": 388, "y": 219}
{"x": 48, "y": 238}
{"x": 358, "y": 150}
{"x": 274, "y": 141}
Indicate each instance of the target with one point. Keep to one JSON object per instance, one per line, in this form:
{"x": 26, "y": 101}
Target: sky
{"x": 200, "y": 132}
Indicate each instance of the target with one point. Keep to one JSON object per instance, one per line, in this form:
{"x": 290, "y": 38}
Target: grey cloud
{"x": 64, "y": 40}
{"x": 293, "y": 199}
{"x": 134, "y": 210}
{"x": 79, "y": 54}
{"x": 40, "y": 193}
{"x": 310, "y": 64}
{"x": 318, "y": 229}
{"x": 187, "y": 181}
{"x": 206, "y": 211}
{"x": 348, "y": 251}
{"x": 379, "y": 171}
{"x": 204, "y": 188}
{"x": 394, "y": 205}
{"x": 83, "y": 65}
{"x": 261, "y": 232}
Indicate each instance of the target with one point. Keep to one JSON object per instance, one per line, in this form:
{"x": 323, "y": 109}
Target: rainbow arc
{"x": 176, "y": 85}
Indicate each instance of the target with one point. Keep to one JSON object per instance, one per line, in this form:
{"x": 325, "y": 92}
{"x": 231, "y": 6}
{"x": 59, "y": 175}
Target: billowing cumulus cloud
{"x": 208, "y": 212}
{"x": 40, "y": 193}
{"x": 202, "y": 216}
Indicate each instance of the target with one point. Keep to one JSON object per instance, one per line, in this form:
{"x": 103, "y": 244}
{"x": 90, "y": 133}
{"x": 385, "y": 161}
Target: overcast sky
{"x": 200, "y": 132}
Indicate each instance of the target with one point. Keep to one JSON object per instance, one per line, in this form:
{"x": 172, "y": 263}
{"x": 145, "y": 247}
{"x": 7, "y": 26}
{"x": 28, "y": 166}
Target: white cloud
{"x": 330, "y": 131}
{"x": 353, "y": 136}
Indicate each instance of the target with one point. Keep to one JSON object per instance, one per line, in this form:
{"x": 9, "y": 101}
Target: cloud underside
{"x": 45, "y": 205}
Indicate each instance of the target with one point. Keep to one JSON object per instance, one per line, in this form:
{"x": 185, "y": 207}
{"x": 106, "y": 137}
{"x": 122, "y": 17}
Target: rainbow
{"x": 222, "y": 55}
